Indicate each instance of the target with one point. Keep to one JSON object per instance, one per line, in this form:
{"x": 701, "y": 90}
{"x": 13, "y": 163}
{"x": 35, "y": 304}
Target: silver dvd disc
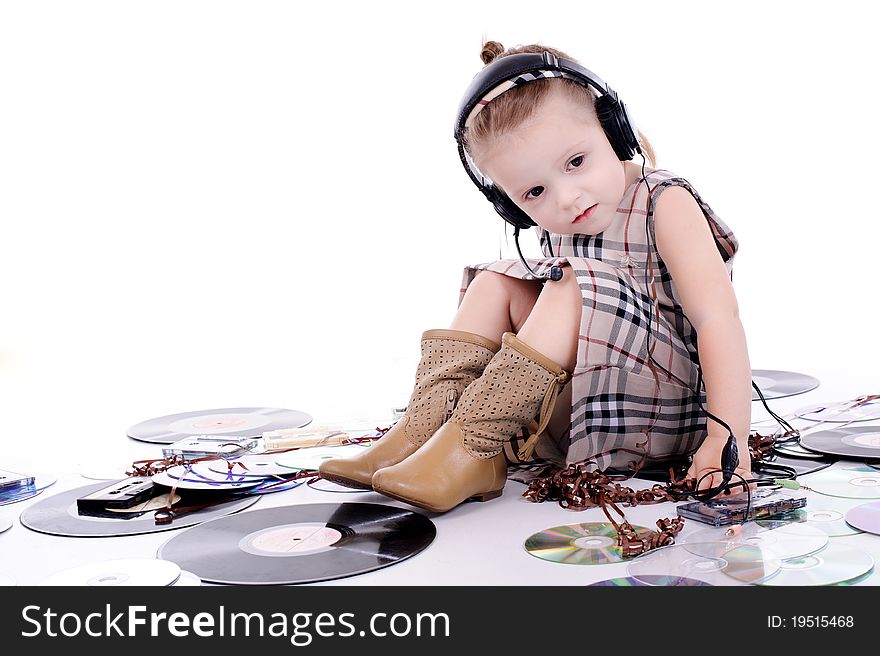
{"x": 312, "y": 457}
{"x": 780, "y": 541}
{"x": 828, "y": 514}
{"x": 777, "y": 384}
{"x": 865, "y": 517}
{"x": 716, "y": 563}
{"x": 121, "y": 572}
{"x": 232, "y": 422}
{"x": 590, "y": 543}
{"x": 259, "y": 465}
{"x": 187, "y": 579}
{"x": 5, "y": 523}
{"x": 183, "y": 477}
{"x": 650, "y": 580}
{"x": 859, "y": 442}
{"x": 834, "y": 564}
{"x": 843, "y": 412}
{"x": 851, "y": 483}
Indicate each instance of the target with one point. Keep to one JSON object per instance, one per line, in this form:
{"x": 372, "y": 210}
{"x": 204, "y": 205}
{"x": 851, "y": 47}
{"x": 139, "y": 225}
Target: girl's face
{"x": 559, "y": 168}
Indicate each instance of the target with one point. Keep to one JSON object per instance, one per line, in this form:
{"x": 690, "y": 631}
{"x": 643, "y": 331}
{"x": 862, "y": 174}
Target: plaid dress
{"x": 615, "y": 398}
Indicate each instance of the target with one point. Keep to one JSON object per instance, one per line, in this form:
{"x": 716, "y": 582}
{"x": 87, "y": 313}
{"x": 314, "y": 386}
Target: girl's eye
{"x": 577, "y": 161}
{"x": 530, "y": 192}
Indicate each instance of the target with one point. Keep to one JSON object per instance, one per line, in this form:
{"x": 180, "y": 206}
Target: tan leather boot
{"x": 464, "y": 458}
{"x": 451, "y": 360}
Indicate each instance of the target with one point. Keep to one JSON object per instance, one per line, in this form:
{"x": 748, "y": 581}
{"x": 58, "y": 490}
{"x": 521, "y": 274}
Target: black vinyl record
{"x": 58, "y": 515}
{"x": 859, "y": 442}
{"x": 777, "y": 384}
{"x": 300, "y": 544}
{"x": 231, "y": 422}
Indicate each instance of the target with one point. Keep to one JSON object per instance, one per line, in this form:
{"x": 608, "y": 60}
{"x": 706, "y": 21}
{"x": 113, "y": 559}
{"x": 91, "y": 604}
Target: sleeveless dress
{"x": 620, "y": 411}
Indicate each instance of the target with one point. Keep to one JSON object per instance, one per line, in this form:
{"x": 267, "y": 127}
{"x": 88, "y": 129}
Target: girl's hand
{"x": 707, "y": 462}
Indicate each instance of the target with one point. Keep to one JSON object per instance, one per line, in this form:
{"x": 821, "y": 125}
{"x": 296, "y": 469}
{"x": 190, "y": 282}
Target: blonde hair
{"x": 512, "y": 108}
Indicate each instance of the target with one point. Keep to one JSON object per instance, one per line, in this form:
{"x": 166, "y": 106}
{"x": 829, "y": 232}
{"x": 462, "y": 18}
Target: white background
{"x": 218, "y": 204}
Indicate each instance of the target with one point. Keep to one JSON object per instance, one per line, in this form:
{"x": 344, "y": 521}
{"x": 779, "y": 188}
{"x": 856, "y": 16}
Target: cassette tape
{"x": 205, "y": 446}
{"x": 121, "y": 494}
{"x": 736, "y": 508}
{"x": 11, "y": 480}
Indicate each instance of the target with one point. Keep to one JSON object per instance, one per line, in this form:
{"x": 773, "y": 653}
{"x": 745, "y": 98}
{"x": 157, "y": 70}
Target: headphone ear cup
{"x": 509, "y": 211}
{"x": 614, "y": 121}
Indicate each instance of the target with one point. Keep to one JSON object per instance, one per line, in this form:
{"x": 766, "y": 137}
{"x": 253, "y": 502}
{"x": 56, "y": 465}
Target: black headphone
{"x": 512, "y": 70}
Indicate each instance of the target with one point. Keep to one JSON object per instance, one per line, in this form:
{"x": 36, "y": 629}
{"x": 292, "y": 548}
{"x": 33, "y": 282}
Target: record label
{"x": 776, "y": 384}
{"x": 231, "y": 422}
{"x": 292, "y": 540}
{"x": 262, "y": 547}
{"x": 593, "y": 543}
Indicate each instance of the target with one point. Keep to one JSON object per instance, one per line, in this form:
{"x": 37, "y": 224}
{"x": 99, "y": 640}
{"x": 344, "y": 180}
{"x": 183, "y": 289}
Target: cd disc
{"x": 834, "y": 564}
{"x": 715, "y": 563}
{"x": 777, "y": 384}
{"x": 592, "y": 543}
{"x": 840, "y": 412}
{"x": 858, "y": 442}
{"x": 300, "y": 544}
{"x": 822, "y": 512}
{"x": 648, "y": 579}
{"x": 312, "y": 457}
{"x": 255, "y": 465}
{"x": 5, "y": 523}
{"x": 230, "y": 422}
{"x": 852, "y": 483}
{"x": 187, "y": 579}
{"x": 865, "y": 517}
{"x": 184, "y": 478}
{"x": 786, "y": 540}
{"x": 122, "y": 572}
{"x": 58, "y": 515}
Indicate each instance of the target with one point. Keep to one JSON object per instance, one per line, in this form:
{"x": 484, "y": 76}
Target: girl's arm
{"x": 687, "y": 247}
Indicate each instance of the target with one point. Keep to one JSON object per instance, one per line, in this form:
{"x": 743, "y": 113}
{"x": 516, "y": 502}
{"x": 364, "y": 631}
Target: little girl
{"x": 633, "y": 304}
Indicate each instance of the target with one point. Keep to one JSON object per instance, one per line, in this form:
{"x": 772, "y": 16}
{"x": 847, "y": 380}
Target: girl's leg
{"x": 552, "y": 326}
{"x": 495, "y": 304}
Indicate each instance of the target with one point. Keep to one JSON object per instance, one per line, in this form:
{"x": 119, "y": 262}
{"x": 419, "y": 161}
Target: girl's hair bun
{"x": 491, "y": 50}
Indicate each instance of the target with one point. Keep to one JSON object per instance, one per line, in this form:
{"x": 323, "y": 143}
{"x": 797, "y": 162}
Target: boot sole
{"x": 483, "y": 496}
{"x": 345, "y": 482}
